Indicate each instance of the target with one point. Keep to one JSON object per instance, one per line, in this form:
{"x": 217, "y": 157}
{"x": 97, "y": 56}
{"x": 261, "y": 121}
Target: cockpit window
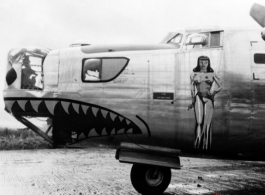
{"x": 25, "y": 69}
{"x": 177, "y": 39}
{"x": 31, "y": 73}
{"x": 215, "y": 39}
{"x": 259, "y": 58}
{"x": 172, "y": 37}
{"x": 92, "y": 70}
{"x": 102, "y": 69}
{"x": 212, "y": 39}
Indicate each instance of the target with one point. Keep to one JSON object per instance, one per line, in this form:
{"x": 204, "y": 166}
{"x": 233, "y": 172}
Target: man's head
{"x": 26, "y": 60}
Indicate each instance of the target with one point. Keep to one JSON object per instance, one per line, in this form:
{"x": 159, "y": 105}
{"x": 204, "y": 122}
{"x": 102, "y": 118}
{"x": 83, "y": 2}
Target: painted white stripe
{"x": 208, "y": 136}
{"x": 199, "y": 110}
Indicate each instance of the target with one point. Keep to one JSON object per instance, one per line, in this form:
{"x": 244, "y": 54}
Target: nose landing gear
{"x": 147, "y": 179}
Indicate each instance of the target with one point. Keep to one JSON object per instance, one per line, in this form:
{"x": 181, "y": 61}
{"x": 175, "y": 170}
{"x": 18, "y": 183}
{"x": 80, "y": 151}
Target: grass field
{"x": 14, "y": 139}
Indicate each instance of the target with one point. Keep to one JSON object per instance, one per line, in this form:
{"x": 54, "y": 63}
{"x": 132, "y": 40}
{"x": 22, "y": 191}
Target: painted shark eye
{"x": 11, "y": 76}
{"x": 102, "y": 69}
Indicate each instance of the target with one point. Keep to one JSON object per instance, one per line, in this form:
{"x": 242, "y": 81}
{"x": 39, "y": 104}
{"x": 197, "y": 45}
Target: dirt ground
{"x": 96, "y": 171}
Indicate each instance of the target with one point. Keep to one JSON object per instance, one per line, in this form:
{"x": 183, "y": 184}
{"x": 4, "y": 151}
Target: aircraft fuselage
{"x": 141, "y": 93}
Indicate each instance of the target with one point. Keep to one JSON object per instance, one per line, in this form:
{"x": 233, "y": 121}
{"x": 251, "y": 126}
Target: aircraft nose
{"x": 11, "y": 76}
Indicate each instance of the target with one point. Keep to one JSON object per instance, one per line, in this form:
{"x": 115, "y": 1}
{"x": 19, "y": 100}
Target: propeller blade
{"x": 257, "y": 12}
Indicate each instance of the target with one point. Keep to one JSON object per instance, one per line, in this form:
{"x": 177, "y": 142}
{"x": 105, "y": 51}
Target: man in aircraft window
{"x": 92, "y": 70}
{"x": 28, "y": 74}
{"x": 92, "y": 75}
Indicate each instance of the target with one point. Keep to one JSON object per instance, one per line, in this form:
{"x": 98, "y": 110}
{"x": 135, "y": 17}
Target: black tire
{"x": 150, "y": 180}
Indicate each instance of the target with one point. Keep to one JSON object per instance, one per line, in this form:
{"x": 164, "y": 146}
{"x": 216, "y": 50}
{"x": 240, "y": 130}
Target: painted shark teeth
{"x": 35, "y": 104}
{"x": 93, "y": 133}
{"x": 76, "y": 107}
{"x": 9, "y": 105}
{"x": 130, "y": 131}
{"x": 127, "y": 122}
{"x": 50, "y": 106}
{"x": 112, "y": 116}
{"x": 22, "y": 104}
{"x": 104, "y": 113}
{"x": 84, "y": 107}
{"x": 104, "y": 132}
{"x": 81, "y": 136}
{"x": 65, "y": 106}
{"x": 85, "y": 120}
{"x": 121, "y": 118}
{"x": 95, "y": 111}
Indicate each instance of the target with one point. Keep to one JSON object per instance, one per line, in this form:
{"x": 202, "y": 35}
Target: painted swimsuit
{"x": 202, "y": 90}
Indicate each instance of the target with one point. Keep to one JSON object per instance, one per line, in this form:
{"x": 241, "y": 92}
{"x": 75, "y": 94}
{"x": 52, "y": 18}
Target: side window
{"x": 215, "y": 39}
{"x": 92, "y": 70}
{"x": 177, "y": 39}
{"x": 259, "y": 58}
{"x": 197, "y": 40}
{"x": 102, "y": 69}
{"x": 203, "y": 40}
{"x": 31, "y": 74}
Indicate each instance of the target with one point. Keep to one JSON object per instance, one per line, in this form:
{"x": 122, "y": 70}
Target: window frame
{"x": 208, "y": 46}
{"x": 172, "y": 42}
{"x": 255, "y": 61}
{"x": 101, "y": 59}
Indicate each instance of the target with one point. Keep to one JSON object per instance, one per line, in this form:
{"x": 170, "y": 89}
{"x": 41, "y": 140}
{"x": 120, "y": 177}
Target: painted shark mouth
{"x": 77, "y": 119}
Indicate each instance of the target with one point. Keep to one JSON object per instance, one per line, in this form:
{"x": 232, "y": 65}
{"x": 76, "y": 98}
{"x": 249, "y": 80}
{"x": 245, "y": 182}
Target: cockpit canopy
{"x": 172, "y": 37}
{"x": 195, "y": 38}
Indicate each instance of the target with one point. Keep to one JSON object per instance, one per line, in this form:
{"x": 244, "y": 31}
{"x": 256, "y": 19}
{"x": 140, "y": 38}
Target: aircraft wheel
{"x": 147, "y": 179}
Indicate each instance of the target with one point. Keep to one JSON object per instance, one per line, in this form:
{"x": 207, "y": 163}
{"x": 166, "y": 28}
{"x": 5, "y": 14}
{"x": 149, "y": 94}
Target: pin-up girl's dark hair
{"x": 198, "y": 69}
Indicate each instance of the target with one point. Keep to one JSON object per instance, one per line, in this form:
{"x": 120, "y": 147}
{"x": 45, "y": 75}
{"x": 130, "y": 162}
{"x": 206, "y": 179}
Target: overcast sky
{"x": 57, "y": 23}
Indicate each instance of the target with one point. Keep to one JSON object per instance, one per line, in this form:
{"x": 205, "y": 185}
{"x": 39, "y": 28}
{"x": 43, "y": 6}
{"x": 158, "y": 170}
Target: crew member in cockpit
{"x": 28, "y": 74}
{"x": 204, "y": 86}
{"x": 92, "y": 72}
{"x": 92, "y": 75}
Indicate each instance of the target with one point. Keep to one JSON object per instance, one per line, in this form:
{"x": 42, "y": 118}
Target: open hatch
{"x": 25, "y": 68}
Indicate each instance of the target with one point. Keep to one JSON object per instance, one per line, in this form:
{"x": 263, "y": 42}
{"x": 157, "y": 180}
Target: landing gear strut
{"x": 147, "y": 179}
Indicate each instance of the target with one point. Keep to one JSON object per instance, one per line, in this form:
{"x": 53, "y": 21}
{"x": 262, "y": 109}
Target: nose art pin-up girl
{"x": 203, "y": 91}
